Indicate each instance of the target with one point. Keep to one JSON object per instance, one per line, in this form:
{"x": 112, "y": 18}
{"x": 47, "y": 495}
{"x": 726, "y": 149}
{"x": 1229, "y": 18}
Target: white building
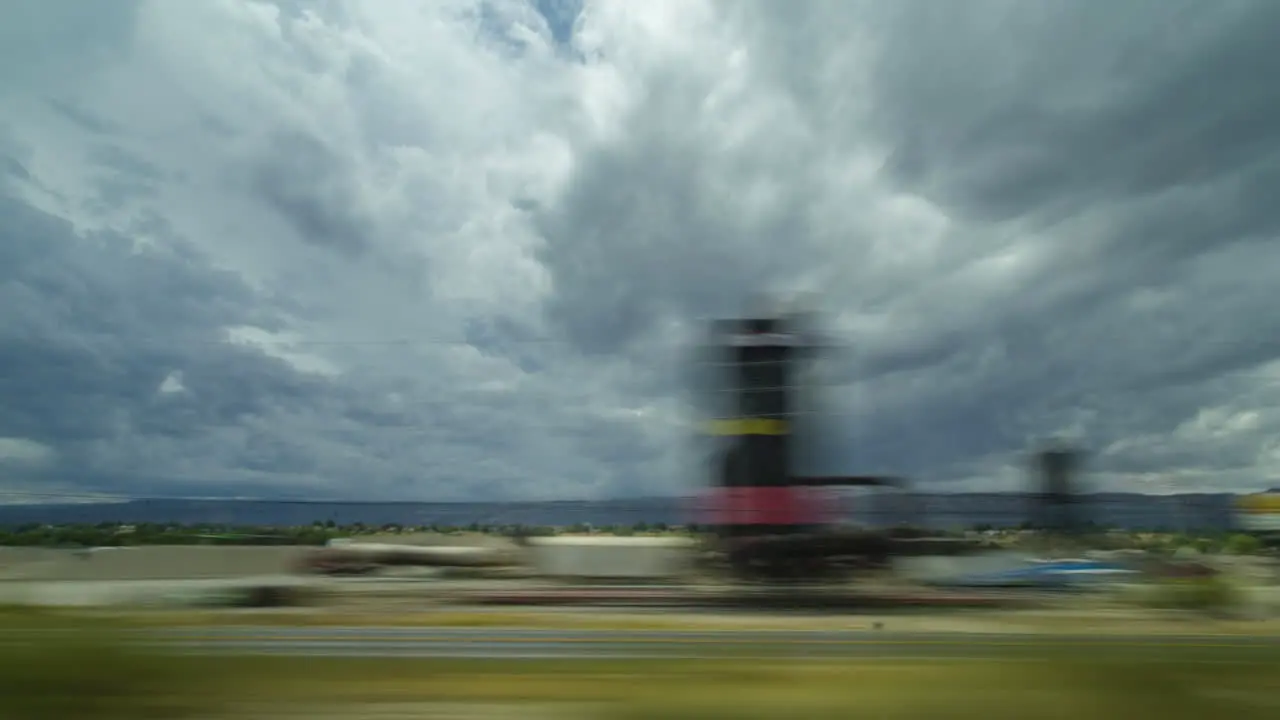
{"x": 611, "y": 557}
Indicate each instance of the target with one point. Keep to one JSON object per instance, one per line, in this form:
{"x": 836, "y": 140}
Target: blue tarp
{"x": 1060, "y": 572}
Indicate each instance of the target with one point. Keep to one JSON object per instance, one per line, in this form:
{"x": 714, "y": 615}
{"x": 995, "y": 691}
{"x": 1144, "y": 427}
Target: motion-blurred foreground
{"x": 58, "y": 666}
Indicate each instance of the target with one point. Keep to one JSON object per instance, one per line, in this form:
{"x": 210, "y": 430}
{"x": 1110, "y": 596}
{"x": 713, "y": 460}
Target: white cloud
{"x": 23, "y": 451}
{"x": 277, "y": 345}
{"x": 172, "y": 384}
{"x": 430, "y": 246}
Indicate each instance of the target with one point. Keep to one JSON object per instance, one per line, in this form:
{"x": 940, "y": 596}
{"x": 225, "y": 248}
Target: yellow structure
{"x": 1259, "y": 512}
{"x": 749, "y": 426}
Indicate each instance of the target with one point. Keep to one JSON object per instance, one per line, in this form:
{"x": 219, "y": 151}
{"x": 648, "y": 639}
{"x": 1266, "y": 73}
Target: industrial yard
{"x": 405, "y": 575}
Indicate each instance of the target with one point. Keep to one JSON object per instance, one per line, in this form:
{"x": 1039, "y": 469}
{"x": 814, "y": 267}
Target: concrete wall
{"x": 142, "y": 593}
{"x": 938, "y": 569}
{"x": 14, "y": 559}
{"x": 159, "y": 563}
{"x": 611, "y": 557}
{"x": 430, "y": 539}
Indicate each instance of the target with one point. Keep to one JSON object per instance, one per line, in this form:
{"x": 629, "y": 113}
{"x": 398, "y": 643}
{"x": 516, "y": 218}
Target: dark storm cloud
{"x": 1155, "y": 127}
{"x": 12, "y": 168}
{"x": 649, "y": 229}
{"x": 225, "y": 387}
{"x": 1056, "y": 105}
{"x": 220, "y": 129}
{"x": 91, "y": 329}
{"x": 50, "y": 44}
{"x": 83, "y": 472}
{"x": 1160, "y": 116}
{"x": 81, "y": 118}
{"x": 309, "y": 186}
{"x": 13, "y": 159}
{"x": 114, "y": 354}
{"x": 126, "y": 162}
{"x": 1136, "y": 135}
{"x": 994, "y": 390}
{"x": 509, "y": 338}
{"x": 121, "y": 178}
{"x": 1094, "y": 183}
{"x": 560, "y": 16}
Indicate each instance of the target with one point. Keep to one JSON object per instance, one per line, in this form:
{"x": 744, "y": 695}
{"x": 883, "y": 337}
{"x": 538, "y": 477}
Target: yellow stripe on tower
{"x": 749, "y": 426}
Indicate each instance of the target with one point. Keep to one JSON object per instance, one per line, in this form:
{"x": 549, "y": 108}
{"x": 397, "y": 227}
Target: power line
{"x": 332, "y": 342}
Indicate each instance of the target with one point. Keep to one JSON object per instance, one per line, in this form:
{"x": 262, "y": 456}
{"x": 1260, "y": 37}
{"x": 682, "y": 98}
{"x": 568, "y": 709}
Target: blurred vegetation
{"x": 1212, "y": 594}
{"x": 1068, "y": 688}
{"x": 60, "y": 667}
{"x": 55, "y": 666}
{"x": 320, "y": 532}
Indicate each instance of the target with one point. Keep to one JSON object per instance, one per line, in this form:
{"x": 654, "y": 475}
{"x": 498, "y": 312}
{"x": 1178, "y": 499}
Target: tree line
{"x": 111, "y": 534}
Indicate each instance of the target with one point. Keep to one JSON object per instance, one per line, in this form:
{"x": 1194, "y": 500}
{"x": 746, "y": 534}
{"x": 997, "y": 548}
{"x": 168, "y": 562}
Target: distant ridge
{"x": 1201, "y": 511}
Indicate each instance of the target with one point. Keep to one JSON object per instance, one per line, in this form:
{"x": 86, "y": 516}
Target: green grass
{"x": 1210, "y": 595}
{"x": 633, "y": 690}
{"x": 622, "y": 621}
{"x": 59, "y": 667}
{"x": 52, "y": 667}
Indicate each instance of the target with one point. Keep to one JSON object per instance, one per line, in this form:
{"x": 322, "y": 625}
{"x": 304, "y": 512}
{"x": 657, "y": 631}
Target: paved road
{"x": 561, "y": 643}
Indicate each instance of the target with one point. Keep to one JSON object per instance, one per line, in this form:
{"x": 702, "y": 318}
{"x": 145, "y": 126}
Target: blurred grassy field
{"x": 426, "y": 618}
{"x": 56, "y": 667}
{"x": 968, "y": 621}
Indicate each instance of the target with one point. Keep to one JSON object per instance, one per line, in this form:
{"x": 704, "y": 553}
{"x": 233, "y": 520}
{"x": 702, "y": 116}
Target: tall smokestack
{"x": 1056, "y": 465}
{"x": 753, "y": 489}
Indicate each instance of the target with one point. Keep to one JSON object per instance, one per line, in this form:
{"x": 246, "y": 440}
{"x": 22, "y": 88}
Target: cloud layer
{"x": 456, "y": 249}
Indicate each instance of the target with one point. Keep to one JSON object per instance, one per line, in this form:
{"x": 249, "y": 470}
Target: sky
{"x": 458, "y": 249}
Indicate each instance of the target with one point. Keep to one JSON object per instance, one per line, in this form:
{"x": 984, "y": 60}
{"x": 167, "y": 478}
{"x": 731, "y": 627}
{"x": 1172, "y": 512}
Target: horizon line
{"x": 91, "y": 499}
